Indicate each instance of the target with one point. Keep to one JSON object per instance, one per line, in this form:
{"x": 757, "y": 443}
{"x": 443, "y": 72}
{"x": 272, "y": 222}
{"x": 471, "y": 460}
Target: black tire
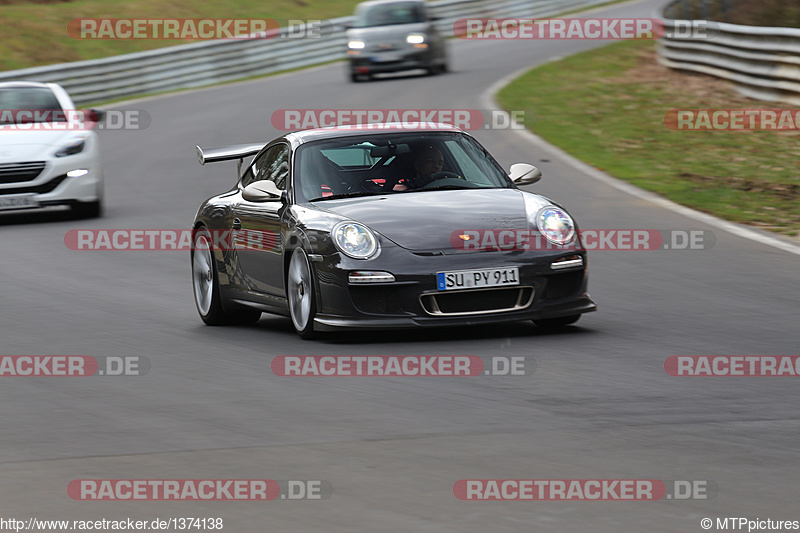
{"x": 301, "y": 295}
{"x": 555, "y": 323}
{"x": 87, "y": 209}
{"x": 205, "y": 285}
{"x": 445, "y": 61}
{"x": 356, "y": 78}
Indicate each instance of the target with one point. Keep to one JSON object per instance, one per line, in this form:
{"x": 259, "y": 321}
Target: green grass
{"x": 607, "y": 107}
{"x": 36, "y": 34}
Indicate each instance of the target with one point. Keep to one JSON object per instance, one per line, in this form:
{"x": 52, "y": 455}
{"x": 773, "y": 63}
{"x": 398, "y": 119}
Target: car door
{"x": 256, "y": 228}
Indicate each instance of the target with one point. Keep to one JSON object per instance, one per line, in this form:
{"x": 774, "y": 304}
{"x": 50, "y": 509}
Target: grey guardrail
{"x": 763, "y": 62}
{"x": 207, "y": 63}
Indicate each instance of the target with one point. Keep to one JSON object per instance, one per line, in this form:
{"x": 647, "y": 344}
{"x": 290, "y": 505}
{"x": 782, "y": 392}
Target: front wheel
{"x": 554, "y": 323}
{"x": 300, "y": 293}
{"x": 87, "y": 209}
{"x": 206, "y": 287}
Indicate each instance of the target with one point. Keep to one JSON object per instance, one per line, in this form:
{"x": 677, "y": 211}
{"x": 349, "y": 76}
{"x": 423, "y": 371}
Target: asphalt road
{"x": 595, "y": 403}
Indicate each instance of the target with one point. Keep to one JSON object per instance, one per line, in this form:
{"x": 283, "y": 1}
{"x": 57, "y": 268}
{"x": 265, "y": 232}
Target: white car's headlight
{"x": 355, "y": 240}
{"x": 74, "y": 147}
{"x": 355, "y": 45}
{"x": 555, "y": 224}
{"x": 415, "y": 39}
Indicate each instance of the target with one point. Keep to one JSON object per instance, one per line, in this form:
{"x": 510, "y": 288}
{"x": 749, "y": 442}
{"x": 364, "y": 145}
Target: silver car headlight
{"x": 555, "y": 224}
{"x": 355, "y": 45}
{"x": 415, "y": 38}
{"x": 355, "y": 240}
{"x": 74, "y": 147}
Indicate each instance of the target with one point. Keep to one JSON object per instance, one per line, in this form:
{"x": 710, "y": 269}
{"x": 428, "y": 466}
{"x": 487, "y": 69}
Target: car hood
{"x": 16, "y": 145}
{"x": 427, "y": 220}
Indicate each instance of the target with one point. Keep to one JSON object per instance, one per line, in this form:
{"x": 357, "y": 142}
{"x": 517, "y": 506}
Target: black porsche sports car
{"x": 383, "y": 226}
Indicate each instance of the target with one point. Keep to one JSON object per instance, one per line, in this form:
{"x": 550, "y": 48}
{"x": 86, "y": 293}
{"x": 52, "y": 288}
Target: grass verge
{"x": 35, "y": 34}
{"x": 607, "y": 108}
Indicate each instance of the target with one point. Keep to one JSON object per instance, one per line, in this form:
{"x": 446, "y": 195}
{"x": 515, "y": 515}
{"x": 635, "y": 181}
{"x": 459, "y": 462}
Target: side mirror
{"x": 95, "y": 115}
{"x": 262, "y": 191}
{"x": 524, "y": 174}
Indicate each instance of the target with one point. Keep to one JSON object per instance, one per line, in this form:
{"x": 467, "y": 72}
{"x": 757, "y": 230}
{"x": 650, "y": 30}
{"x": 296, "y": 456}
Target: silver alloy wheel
{"x": 203, "y": 274}
{"x": 299, "y": 289}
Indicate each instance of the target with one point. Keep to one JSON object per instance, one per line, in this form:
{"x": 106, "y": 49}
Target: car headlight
{"x": 355, "y": 240}
{"x": 415, "y": 39}
{"x": 74, "y": 147}
{"x": 355, "y": 45}
{"x": 555, "y": 224}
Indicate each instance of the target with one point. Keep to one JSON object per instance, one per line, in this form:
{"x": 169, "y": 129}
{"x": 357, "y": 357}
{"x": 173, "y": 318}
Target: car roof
{"x": 338, "y": 132}
{"x": 371, "y": 3}
{"x": 23, "y": 85}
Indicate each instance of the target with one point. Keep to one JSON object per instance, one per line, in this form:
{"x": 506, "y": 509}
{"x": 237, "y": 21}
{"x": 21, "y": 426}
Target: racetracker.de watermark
{"x": 733, "y": 365}
{"x": 582, "y": 28}
{"x": 198, "y": 489}
{"x": 404, "y": 119}
{"x": 583, "y": 489}
{"x": 167, "y": 239}
{"x": 733, "y": 119}
{"x": 72, "y": 365}
{"x": 197, "y": 28}
{"x": 73, "y": 119}
{"x": 507, "y": 239}
{"x": 399, "y": 366}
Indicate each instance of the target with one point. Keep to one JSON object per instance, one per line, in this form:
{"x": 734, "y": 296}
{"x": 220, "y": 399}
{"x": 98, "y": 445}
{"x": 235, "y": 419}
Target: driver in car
{"x": 428, "y": 162}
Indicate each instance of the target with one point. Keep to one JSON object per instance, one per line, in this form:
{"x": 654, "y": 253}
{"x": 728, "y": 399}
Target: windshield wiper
{"x": 347, "y": 195}
{"x": 443, "y": 188}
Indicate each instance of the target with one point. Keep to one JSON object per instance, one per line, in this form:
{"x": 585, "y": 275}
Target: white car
{"x": 47, "y": 157}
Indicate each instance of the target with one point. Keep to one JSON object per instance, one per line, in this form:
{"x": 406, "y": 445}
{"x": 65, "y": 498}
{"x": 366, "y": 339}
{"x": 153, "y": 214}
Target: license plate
{"x": 475, "y": 279}
{"x": 385, "y": 58}
{"x": 20, "y": 201}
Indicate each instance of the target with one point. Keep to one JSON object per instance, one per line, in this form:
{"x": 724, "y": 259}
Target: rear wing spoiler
{"x": 227, "y": 153}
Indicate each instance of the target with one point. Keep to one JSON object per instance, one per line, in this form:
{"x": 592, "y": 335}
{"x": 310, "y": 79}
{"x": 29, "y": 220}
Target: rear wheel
{"x": 553, "y": 323}
{"x": 300, "y": 293}
{"x": 206, "y": 287}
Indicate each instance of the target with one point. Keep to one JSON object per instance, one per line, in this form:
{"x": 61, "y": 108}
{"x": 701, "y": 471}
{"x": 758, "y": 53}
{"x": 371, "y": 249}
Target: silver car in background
{"x": 47, "y": 156}
{"x": 392, "y": 36}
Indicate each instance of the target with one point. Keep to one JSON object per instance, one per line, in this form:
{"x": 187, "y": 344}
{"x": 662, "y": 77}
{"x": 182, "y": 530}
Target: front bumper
{"x": 580, "y": 305}
{"x": 53, "y": 186}
{"x": 381, "y": 62}
{"x": 404, "y": 303}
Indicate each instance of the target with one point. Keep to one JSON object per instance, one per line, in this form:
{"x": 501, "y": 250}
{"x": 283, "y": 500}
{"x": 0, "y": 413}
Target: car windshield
{"x": 388, "y": 14}
{"x": 29, "y": 104}
{"x": 397, "y": 163}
